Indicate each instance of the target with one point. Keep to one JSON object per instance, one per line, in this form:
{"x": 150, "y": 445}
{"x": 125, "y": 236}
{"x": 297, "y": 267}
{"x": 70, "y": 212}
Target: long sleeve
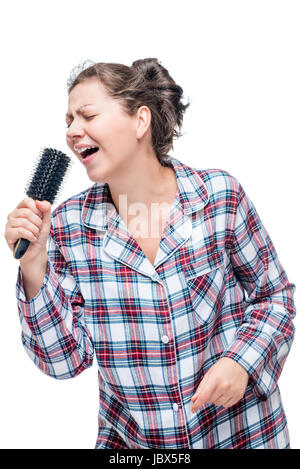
{"x": 54, "y": 333}
{"x": 263, "y": 340}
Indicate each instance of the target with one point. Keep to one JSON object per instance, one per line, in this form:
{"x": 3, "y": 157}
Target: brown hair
{"x": 147, "y": 83}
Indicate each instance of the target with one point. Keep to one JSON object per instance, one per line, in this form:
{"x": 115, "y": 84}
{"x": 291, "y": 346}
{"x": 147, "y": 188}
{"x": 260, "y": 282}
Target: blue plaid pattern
{"x": 216, "y": 289}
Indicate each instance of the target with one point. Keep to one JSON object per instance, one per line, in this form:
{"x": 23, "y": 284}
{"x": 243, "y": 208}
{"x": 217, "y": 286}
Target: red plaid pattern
{"x": 216, "y": 289}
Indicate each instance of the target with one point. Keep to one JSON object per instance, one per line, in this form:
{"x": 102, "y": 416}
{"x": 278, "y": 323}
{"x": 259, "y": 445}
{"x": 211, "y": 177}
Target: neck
{"x": 144, "y": 181}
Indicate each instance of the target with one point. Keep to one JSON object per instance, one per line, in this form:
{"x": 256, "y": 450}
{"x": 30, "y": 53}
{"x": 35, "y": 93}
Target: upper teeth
{"x": 81, "y": 150}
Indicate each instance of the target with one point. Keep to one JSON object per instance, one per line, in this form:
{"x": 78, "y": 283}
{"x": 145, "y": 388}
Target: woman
{"x": 164, "y": 272}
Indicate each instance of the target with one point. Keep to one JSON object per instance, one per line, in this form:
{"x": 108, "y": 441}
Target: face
{"x": 96, "y": 120}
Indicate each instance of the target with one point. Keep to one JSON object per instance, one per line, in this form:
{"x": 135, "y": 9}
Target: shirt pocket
{"x": 206, "y": 286}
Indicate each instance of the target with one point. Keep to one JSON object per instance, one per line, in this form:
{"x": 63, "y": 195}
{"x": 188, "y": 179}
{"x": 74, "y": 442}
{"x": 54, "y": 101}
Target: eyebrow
{"x": 78, "y": 110}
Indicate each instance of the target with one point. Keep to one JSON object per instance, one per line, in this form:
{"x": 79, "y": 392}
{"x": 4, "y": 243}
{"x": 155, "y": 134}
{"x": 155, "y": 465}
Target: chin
{"x": 96, "y": 179}
{"x": 93, "y": 176}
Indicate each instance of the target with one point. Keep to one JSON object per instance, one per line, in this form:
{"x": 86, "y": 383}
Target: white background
{"x": 237, "y": 61}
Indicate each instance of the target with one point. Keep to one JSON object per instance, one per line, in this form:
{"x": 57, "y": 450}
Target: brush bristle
{"x": 48, "y": 174}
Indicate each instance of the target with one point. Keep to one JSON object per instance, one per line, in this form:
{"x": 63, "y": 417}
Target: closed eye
{"x": 86, "y": 117}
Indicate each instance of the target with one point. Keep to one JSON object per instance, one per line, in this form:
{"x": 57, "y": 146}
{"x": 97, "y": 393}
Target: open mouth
{"x": 89, "y": 152}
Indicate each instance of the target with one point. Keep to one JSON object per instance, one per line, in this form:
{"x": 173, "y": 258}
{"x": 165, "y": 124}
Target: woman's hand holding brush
{"x": 30, "y": 220}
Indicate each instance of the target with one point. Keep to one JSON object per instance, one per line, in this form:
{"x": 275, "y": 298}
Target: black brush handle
{"x": 21, "y": 247}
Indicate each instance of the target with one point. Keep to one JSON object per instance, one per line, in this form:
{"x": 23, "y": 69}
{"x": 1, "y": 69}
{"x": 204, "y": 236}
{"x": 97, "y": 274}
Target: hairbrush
{"x": 44, "y": 184}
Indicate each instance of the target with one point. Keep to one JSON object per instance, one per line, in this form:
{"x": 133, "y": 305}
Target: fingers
{"x": 29, "y": 218}
{"x": 23, "y": 222}
{"x": 218, "y": 400}
{"x": 29, "y": 232}
{"x": 224, "y": 384}
{"x": 28, "y": 202}
{"x": 206, "y": 393}
{"x": 206, "y": 398}
{"x": 27, "y": 209}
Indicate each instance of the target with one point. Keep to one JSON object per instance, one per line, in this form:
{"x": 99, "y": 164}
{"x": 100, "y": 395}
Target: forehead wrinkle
{"x": 78, "y": 110}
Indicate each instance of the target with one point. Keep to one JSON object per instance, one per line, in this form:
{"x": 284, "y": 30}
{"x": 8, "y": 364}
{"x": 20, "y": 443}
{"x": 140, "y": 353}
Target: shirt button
{"x": 165, "y": 339}
{"x": 175, "y": 407}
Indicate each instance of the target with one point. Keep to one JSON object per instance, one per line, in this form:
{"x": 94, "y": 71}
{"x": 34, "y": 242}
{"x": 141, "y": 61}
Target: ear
{"x": 143, "y": 120}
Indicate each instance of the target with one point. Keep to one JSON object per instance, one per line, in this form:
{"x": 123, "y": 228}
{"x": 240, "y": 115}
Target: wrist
{"x": 40, "y": 260}
{"x": 33, "y": 274}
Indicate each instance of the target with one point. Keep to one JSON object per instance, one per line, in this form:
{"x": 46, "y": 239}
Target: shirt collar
{"x": 99, "y": 210}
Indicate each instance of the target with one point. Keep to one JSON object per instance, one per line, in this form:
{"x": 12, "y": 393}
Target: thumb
{"x": 45, "y": 207}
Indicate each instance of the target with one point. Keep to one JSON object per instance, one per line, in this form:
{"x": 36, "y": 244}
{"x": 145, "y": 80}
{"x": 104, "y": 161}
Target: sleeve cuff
{"x": 253, "y": 369}
{"x": 20, "y": 291}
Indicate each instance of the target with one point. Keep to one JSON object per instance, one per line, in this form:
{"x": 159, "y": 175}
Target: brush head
{"x": 48, "y": 174}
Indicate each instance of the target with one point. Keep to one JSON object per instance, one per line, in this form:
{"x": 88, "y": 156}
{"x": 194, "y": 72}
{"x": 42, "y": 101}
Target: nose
{"x": 74, "y": 131}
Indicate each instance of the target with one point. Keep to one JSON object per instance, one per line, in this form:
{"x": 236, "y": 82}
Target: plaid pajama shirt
{"x": 217, "y": 289}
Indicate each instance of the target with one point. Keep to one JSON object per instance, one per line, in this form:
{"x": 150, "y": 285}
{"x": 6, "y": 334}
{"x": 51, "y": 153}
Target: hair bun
{"x": 150, "y": 68}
